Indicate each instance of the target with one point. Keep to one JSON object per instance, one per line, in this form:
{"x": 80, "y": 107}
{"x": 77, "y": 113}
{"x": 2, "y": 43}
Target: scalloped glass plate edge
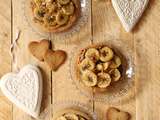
{"x": 125, "y": 93}
{"x": 85, "y": 12}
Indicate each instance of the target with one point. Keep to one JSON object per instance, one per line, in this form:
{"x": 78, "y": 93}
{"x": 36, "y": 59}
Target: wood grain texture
{"x": 5, "y": 59}
{"x": 110, "y": 28}
{"x": 5, "y": 37}
{"x": 24, "y": 57}
{"x": 63, "y": 87}
{"x": 103, "y": 25}
{"x": 147, "y": 61}
{"x": 5, "y": 109}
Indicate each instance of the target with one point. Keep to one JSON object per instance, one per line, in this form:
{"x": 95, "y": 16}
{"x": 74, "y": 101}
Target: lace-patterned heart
{"x": 24, "y": 89}
{"x": 129, "y": 11}
{"x": 19, "y": 87}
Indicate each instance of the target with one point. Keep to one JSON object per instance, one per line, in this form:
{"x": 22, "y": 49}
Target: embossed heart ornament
{"x": 24, "y": 89}
{"x": 129, "y": 11}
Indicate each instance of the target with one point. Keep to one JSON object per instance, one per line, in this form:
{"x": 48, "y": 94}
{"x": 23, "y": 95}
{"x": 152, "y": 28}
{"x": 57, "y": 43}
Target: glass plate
{"x": 122, "y": 90}
{"x": 82, "y": 20}
{"x": 73, "y": 104}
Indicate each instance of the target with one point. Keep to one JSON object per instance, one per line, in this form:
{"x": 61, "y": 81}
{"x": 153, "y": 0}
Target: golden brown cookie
{"x": 55, "y": 59}
{"x": 116, "y": 114}
{"x": 71, "y": 114}
{"x": 38, "y": 49}
{"x": 55, "y": 15}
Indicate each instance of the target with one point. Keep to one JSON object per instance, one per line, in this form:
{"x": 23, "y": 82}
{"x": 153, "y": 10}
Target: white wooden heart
{"x": 129, "y": 11}
{"x": 24, "y": 89}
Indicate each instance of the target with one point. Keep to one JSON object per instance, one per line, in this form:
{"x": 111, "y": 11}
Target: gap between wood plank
{"x": 135, "y": 79}
{"x": 12, "y": 41}
{"x": 50, "y": 38}
{"x": 11, "y": 31}
{"x": 93, "y": 100}
{"x": 91, "y": 22}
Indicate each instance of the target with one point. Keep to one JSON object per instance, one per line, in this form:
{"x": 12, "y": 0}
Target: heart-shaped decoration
{"x": 55, "y": 59}
{"x": 24, "y": 89}
{"x": 129, "y": 11}
{"x": 38, "y": 49}
{"x": 116, "y": 114}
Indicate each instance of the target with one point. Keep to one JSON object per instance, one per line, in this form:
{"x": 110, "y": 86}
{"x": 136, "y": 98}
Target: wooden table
{"x": 144, "y": 41}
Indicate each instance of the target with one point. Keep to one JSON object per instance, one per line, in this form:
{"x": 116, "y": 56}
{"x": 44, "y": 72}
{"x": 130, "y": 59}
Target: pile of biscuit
{"x": 42, "y": 51}
{"x": 99, "y": 66}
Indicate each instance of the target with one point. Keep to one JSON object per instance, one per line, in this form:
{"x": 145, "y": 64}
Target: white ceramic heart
{"x": 24, "y": 89}
{"x": 129, "y": 11}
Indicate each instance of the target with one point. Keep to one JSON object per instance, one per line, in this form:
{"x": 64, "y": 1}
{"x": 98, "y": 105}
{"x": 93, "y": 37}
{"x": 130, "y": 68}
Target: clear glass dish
{"x": 120, "y": 91}
{"x": 61, "y": 105}
{"x": 82, "y": 20}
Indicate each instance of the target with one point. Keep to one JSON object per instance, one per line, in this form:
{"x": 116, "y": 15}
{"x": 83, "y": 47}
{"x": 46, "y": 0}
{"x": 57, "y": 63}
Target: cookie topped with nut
{"x": 55, "y": 15}
{"x": 99, "y": 66}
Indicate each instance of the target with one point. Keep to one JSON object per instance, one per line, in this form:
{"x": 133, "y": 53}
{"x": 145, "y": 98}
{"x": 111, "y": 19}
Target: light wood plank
{"x": 63, "y": 87}
{"x": 5, "y": 109}
{"x": 148, "y": 58}
{"x": 23, "y": 57}
{"x": 106, "y": 26}
{"x": 5, "y": 37}
{"x": 5, "y": 59}
{"x": 144, "y": 41}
